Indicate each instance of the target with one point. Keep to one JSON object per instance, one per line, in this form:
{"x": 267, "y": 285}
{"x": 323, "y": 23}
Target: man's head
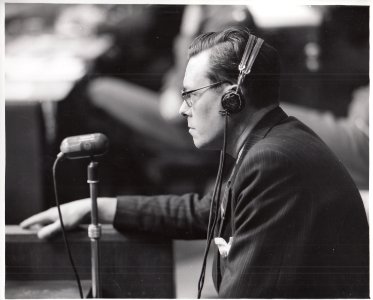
{"x": 214, "y": 58}
{"x": 261, "y": 87}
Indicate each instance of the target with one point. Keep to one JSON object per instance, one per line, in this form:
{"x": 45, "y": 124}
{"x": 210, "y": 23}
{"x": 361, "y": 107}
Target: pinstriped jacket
{"x": 297, "y": 220}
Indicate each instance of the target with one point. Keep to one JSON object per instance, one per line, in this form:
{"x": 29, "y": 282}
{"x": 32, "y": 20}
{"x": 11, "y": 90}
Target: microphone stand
{"x": 94, "y": 230}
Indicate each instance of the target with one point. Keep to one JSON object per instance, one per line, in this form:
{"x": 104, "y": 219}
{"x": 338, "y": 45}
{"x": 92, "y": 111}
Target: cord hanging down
{"x": 60, "y": 156}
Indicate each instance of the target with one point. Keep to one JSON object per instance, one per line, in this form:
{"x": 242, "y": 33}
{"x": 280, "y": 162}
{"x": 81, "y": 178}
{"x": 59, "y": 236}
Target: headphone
{"x": 232, "y": 101}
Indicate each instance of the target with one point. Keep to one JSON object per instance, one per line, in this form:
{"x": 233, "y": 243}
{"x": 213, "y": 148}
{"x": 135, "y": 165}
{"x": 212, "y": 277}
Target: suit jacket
{"x": 297, "y": 220}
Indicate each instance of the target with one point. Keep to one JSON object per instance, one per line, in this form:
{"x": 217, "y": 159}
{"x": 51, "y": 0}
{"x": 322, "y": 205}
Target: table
{"x": 132, "y": 266}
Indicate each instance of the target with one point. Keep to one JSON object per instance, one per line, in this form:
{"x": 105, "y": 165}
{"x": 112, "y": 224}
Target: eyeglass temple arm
{"x": 184, "y": 93}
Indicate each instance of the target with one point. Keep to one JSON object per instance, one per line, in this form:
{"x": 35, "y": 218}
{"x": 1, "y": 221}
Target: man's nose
{"x": 184, "y": 109}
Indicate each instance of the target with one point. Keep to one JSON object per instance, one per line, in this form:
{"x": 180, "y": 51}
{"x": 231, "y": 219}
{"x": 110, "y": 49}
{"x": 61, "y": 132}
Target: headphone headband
{"x": 248, "y": 58}
{"x": 248, "y": 49}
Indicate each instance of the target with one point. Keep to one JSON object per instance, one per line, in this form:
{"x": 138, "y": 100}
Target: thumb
{"x": 49, "y": 230}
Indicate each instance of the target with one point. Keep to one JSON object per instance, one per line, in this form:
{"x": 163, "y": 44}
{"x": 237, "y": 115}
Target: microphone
{"x": 87, "y": 145}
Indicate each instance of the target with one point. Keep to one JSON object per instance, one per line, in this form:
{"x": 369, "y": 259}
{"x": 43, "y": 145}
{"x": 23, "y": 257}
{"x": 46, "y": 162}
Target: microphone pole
{"x": 90, "y": 145}
{"x": 94, "y": 230}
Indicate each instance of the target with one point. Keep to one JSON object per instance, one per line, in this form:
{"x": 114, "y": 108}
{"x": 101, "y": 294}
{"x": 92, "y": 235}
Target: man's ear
{"x": 232, "y": 101}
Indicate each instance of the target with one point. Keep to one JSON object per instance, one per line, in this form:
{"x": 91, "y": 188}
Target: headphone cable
{"x": 60, "y": 157}
{"x": 217, "y": 189}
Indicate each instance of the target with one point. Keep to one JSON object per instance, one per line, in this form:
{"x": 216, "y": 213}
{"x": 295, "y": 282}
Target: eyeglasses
{"x": 187, "y": 95}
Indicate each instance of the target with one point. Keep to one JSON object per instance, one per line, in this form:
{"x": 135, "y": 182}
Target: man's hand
{"x": 73, "y": 214}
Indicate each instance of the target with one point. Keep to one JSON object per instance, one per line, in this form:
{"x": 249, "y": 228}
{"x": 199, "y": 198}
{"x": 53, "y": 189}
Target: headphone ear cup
{"x": 231, "y": 102}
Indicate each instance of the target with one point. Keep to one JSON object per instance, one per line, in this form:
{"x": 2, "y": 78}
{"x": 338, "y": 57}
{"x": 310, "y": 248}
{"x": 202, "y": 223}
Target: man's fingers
{"x": 38, "y": 219}
{"x": 49, "y": 230}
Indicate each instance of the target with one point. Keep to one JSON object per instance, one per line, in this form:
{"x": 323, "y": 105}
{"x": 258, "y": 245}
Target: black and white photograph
{"x": 185, "y": 150}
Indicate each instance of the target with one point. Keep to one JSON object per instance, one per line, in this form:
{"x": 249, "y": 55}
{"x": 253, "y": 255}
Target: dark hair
{"x": 227, "y": 47}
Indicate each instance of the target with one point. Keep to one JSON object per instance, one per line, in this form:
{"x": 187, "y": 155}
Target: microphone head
{"x": 87, "y": 145}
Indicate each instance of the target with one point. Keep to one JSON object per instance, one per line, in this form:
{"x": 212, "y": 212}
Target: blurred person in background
{"x": 140, "y": 54}
{"x": 344, "y": 123}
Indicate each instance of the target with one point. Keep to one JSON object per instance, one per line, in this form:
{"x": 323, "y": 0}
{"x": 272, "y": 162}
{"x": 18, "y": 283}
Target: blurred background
{"x": 72, "y": 69}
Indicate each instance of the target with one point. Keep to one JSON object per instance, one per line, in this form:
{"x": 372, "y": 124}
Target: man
{"x": 290, "y": 223}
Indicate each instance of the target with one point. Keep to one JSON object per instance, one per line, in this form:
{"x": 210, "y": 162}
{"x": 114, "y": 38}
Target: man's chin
{"x": 203, "y": 146}
{"x": 199, "y": 145}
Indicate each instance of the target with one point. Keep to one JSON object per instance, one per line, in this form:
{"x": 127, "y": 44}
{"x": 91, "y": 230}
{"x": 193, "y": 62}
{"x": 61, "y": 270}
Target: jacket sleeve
{"x": 179, "y": 217}
{"x": 265, "y": 216}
